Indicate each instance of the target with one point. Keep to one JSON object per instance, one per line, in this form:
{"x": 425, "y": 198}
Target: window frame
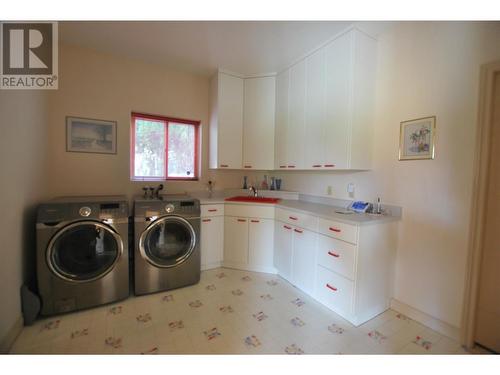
{"x": 166, "y": 120}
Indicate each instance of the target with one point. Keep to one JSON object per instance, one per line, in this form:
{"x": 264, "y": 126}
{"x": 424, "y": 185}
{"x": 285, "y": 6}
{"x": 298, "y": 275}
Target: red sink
{"x": 252, "y": 199}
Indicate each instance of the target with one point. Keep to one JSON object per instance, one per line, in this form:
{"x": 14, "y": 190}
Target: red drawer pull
{"x": 329, "y": 165}
{"x": 331, "y": 287}
{"x": 242, "y": 220}
{"x": 247, "y": 166}
{"x": 335, "y": 229}
{"x": 255, "y": 221}
{"x": 333, "y": 254}
{"x": 317, "y": 166}
{"x": 212, "y": 210}
{"x": 282, "y": 166}
{"x": 287, "y": 227}
{"x": 206, "y": 220}
{"x": 298, "y": 230}
{"x": 224, "y": 165}
{"x": 293, "y": 218}
{"x": 291, "y": 166}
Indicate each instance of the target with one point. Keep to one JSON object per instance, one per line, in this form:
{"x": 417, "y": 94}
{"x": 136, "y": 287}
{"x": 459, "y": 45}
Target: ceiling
{"x": 246, "y": 47}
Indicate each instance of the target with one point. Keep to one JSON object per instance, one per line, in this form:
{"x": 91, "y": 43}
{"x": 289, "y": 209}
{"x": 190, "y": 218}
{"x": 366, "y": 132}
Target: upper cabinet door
{"x": 315, "y": 110}
{"x": 280, "y": 144}
{"x": 226, "y": 122}
{"x": 296, "y": 113}
{"x": 258, "y": 123}
{"x": 338, "y": 109}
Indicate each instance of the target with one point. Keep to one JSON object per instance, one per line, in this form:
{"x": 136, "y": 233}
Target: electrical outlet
{"x": 329, "y": 190}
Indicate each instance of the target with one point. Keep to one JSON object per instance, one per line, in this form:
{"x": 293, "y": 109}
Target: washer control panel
{"x": 85, "y": 211}
{"x": 169, "y": 208}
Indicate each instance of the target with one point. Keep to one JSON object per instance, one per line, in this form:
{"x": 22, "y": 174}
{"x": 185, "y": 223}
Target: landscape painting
{"x": 417, "y": 139}
{"x": 88, "y": 135}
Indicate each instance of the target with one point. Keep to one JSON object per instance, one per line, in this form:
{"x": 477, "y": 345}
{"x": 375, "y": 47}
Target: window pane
{"x": 149, "y": 148}
{"x": 181, "y": 150}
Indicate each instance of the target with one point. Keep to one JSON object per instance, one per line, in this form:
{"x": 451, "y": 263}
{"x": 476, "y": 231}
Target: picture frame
{"x": 90, "y": 135}
{"x": 417, "y": 139}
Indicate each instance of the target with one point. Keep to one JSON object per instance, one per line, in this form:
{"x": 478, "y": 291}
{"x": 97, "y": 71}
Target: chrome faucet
{"x": 253, "y": 190}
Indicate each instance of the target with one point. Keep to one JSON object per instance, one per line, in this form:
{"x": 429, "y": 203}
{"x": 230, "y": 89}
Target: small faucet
{"x": 157, "y": 191}
{"x": 253, "y": 190}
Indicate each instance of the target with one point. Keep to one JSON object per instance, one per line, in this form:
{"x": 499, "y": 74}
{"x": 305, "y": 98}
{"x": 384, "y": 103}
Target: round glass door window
{"x": 84, "y": 251}
{"x": 168, "y": 241}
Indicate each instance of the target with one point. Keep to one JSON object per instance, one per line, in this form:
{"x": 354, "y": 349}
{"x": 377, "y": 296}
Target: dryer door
{"x": 168, "y": 241}
{"x": 84, "y": 251}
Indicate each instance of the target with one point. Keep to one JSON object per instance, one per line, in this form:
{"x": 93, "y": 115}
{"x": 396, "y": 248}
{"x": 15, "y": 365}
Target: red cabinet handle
{"x": 212, "y": 210}
{"x": 206, "y": 220}
{"x": 282, "y": 166}
{"x": 242, "y": 220}
{"x": 317, "y": 166}
{"x": 291, "y": 166}
{"x": 287, "y": 227}
{"x": 255, "y": 221}
{"x": 335, "y": 229}
{"x": 331, "y": 287}
{"x": 247, "y": 166}
{"x": 224, "y": 165}
{"x": 298, "y": 231}
{"x": 333, "y": 254}
{"x": 292, "y": 218}
{"x": 329, "y": 165}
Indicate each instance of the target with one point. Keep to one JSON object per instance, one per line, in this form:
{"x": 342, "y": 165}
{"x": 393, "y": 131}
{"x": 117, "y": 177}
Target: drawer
{"x": 342, "y": 231}
{"x": 208, "y": 210}
{"x": 247, "y": 210}
{"x": 334, "y": 291}
{"x": 338, "y": 256}
{"x": 298, "y": 219}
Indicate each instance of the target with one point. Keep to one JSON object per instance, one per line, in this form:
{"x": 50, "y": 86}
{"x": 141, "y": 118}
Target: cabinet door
{"x": 314, "y": 142}
{"x": 212, "y": 241}
{"x": 283, "y": 249}
{"x": 261, "y": 243}
{"x": 236, "y": 240}
{"x": 295, "y": 132}
{"x": 230, "y": 121}
{"x": 304, "y": 259}
{"x": 258, "y": 123}
{"x": 339, "y": 67}
{"x": 280, "y": 141}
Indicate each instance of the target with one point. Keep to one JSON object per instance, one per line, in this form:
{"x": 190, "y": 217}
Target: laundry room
{"x": 254, "y": 186}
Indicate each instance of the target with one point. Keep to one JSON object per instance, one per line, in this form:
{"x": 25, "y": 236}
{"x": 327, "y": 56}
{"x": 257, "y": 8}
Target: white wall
{"x": 23, "y": 120}
{"x": 101, "y": 86}
{"x": 424, "y": 69}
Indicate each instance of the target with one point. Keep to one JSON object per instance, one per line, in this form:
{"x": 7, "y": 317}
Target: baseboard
{"x": 246, "y": 267}
{"x": 211, "y": 266}
{"x": 443, "y": 328}
{"x": 11, "y": 336}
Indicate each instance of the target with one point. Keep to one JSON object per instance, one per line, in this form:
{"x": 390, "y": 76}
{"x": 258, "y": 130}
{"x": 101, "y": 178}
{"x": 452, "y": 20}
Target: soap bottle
{"x": 265, "y": 185}
{"x": 245, "y": 185}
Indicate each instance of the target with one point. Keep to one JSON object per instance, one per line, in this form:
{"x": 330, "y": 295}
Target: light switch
{"x": 350, "y": 189}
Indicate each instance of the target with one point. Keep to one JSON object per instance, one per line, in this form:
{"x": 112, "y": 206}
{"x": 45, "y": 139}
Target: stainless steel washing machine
{"x": 167, "y": 248}
{"x": 82, "y": 252}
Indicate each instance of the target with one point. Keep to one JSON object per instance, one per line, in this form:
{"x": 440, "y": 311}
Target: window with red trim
{"x": 163, "y": 148}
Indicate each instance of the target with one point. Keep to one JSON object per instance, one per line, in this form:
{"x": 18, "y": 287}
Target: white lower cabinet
{"x": 334, "y": 291}
{"x": 260, "y": 243}
{"x": 283, "y": 249}
{"x": 304, "y": 259}
{"x": 235, "y": 241}
{"x": 212, "y": 236}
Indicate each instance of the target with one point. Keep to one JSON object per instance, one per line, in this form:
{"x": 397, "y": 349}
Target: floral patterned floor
{"x": 228, "y": 312}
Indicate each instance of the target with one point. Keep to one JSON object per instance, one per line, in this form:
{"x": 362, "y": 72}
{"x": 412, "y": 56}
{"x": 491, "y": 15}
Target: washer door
{"x": 84, "y": 251}
{"x": 168, "y": 242}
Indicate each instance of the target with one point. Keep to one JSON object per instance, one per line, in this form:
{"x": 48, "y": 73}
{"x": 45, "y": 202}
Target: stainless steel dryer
{"x": 82, "y": 252}
{"x": 167, "y": 248}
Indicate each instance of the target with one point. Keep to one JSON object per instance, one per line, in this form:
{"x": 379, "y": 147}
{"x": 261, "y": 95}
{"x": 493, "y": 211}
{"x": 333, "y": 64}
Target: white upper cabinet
{"x": 282, "y": 88}
{"x": 258, "y": 123}
{"x": 226, "y": 121}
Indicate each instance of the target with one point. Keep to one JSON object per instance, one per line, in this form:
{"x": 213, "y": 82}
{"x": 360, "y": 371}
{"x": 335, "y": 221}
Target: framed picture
{"x": 89, "y": 135}
{"x": 416, "y": 139}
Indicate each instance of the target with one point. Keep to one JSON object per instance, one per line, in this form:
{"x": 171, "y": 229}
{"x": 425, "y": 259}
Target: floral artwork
{"x": 252, "y": 341}
{"x": 114, "y": 342}
{"x": 293, "y": 349}
{"x": 266, "y": 297}
{"x": 298, "y": 302}
{"x": 49, "y": 326}
{"x": 237, "y": 292}
{"x": 420, "y": 341}
{"x": 175, "y": 325}
{"x": 115, "y": 310}
{"x": 195, "y": 304}
{"x": 246, "y": 278}
{"x": 80, "y": 333}
{"x": 167, "y": 298}
{"x": 154, "y": 350}
{"x": 212, "y": 333}
{"x": 226, "y": 309}
{"x": 417, "y": 139}
{"x": 143, "y": 318}
{"x": 335, "y": 329}
{"x": 272, "y": 283}
{"x": 210, "y": 287}
{"x": 221, "y": 275}
{"x": 377, "y": 336}
{"x": 297, "y": 322}
{"x": 260, "y": 316}
{"x": 403, "y": 317}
